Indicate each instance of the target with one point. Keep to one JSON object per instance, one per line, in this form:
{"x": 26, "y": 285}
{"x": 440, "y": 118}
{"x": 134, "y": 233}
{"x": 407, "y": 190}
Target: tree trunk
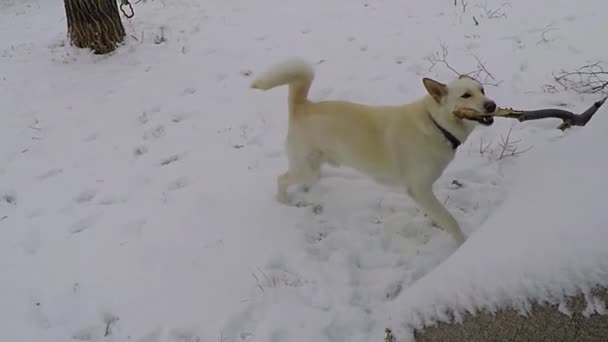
{"x": 94, "y": 24}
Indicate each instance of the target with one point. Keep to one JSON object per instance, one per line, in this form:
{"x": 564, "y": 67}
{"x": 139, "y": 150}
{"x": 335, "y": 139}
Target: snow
{"x": 137, "y": 190}
{"x": 545, "y": 242}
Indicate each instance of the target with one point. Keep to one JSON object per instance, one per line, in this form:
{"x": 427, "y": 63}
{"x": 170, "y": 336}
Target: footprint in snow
{"x": 155, "y": 133}
{"x": 178, "y": 183}
{"x": 90, "y": 137}
{"x": 146, "y": 115}
{"x": 83, "y": 224}
{"x": 317, "y": 233}
{"x": 189, "y": 91}
{"x": 9, "y": 197}
{"x": 180, "y": 117}
{"x": 393, "y": 290}
{"x": 179, "y": 335}
{"x": 109, "y": 200}
{"x": 144, "y": 118}
{"x": 169, "y": 160}
{"x": 140, "y": 150}
{"x": 86, "y": 196}
{"x": 400, "y": 59}
{"x": 38, "y": 316}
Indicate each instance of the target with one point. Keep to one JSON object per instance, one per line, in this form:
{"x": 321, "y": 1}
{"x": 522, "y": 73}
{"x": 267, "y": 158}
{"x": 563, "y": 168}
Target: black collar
{"x": 453, "y": 140}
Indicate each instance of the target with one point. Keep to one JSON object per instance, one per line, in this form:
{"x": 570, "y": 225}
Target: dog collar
{"x": 451, "y": 138}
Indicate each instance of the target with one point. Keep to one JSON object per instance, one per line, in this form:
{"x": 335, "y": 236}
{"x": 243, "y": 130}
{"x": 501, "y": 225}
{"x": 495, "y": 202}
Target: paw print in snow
{"x": 49, "y": 174}
{"x": 9, "y": 197}
{"x": 86, "y": 196}
{"x": 155, "y": 133}
{"x": 169, "y": 160}
{"x": 189, "y": 91}
{"x": 177, "y": 184}
{"x": 140, "y": 150}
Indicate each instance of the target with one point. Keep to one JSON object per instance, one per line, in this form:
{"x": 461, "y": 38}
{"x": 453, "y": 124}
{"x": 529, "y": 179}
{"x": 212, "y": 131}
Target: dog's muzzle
{"x": 485, "y": 120}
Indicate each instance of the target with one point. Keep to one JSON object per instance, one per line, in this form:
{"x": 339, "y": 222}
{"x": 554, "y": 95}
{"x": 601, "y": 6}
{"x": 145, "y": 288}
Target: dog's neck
{"x": 458, "y": 128}
{"x": 449, "y": 136}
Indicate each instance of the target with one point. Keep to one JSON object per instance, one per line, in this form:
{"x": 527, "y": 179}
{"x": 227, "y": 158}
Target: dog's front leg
{"x": 439, "y": 215}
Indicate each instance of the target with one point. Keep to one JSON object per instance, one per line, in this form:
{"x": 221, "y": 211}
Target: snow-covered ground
{"x": 137, "y": 189}
{"x": 547, "y": 241}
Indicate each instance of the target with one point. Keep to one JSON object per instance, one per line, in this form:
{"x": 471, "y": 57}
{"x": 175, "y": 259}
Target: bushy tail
{"x": 294, "y": 72}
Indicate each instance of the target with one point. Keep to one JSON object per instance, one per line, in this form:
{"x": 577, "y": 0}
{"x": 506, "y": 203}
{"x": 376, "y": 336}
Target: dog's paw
{"x": 304, "y": 188}
{"x": 459, "y": 237}
{"x": 282, "y": 198}
{"x": 292, "y": 202}
{"x": 302, "y": 204}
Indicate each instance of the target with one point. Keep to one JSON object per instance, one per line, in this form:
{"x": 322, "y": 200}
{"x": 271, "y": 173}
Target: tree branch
{"x": 569, "y": 119}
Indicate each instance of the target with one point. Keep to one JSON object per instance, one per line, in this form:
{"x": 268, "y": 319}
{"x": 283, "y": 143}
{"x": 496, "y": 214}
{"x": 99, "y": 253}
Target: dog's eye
{"x": 466, "y": 95}
{"x": 483, "y": 91}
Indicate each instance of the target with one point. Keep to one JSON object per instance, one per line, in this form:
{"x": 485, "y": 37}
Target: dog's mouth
{"x": 485, "y": 120}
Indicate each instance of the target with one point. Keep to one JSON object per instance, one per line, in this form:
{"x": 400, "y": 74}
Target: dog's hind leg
{"x": 300, "y": 172}
{"x": 439, "y": 215}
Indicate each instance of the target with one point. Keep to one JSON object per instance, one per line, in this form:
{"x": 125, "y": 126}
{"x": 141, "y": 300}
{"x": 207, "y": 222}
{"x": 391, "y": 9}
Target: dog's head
{"x": 463, "y": 92}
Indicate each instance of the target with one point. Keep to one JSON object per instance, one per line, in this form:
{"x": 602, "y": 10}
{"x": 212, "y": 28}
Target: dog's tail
{"x": 294, "y": 72}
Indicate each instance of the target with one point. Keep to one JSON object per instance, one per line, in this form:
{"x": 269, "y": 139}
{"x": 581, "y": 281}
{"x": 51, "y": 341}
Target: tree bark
{"x": 94, "y": 24}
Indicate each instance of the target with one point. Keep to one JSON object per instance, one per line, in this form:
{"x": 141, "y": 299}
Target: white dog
{"x": 406, "y": 146}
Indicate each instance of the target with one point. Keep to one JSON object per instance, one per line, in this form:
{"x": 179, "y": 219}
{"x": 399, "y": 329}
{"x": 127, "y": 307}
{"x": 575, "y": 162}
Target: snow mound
{"x": 547, "y": 240}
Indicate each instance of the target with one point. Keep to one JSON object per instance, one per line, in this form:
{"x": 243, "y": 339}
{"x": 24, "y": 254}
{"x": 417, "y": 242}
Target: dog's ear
{"x": 436, "y": 89}
{"x": 466, "y": 76}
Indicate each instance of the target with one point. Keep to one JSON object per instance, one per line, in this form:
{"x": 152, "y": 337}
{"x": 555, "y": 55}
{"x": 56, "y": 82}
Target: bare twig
{"x": 483, "y": 148}
{"x": 543, "y": 35}
{"x": 592, "y": 78}
{"x": 258, "y": 282}
{"x": 109, "y": 322}
{"x": 481, "y": 73}
{"x": 509, "y": 147}
{"x": 494, "y": 13}
{"x": 550, "y": 88}
{"x": 464, "y": 5}
{"x": 107, "y": 329}
{"x": 441, "y": 58}
{"x": 481, "y": 69}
